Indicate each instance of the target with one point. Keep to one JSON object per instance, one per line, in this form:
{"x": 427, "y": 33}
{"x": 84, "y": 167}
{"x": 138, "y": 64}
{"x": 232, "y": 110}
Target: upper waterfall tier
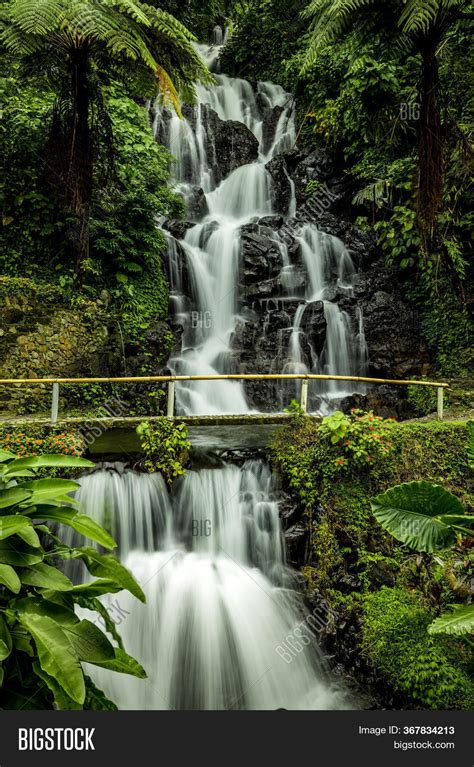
{"x": 229, "y": 164}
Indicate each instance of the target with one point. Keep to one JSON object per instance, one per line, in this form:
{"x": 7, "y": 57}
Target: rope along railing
{"x": 171, "y": 380}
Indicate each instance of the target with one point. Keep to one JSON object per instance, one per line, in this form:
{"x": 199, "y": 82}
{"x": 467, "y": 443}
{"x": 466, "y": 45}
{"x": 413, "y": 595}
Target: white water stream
{"x": 222, "y": 627}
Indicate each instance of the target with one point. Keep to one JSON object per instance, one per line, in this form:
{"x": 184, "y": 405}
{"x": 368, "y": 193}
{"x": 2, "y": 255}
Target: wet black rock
{"x": 392, "y": 325}
{"x": 314, "y": 326}
{"x": 230, "y": 144}
{"x": 282, "y": 186}
{"x": 177, "y": 228}
{"x": 196, "y": 204}
{"x": 274, "y": 222}
{"x": 271, "y": 118}
{"x": 295, "y": 540}
{"x": 316, "y": 165}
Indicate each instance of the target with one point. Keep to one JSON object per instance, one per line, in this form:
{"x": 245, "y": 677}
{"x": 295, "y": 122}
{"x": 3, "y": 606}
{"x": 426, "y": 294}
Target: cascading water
{"x": 212, "y": 248}
{"x": 223, "y": 627}
{"x": 221, "y": 615}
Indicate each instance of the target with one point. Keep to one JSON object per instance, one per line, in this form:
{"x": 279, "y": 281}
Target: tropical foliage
{"x": 166, "y": 447}
{"x": 43, "y": 642}
{"x": 393, "y": 601}
{"x": 428, "y": 518}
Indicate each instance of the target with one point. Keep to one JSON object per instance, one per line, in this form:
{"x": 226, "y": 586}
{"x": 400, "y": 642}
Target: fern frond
{"x": 419, "y": 15}
{"x": 146, "y": 44}
{"x": 331, "y": 18}
{"x": 36, "y": 17}
{"x": 374, "y": 194}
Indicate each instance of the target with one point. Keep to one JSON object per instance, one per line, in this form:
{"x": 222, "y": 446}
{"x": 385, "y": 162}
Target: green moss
{"x": 19, "y": 287}
{"x": 427, "y": 671}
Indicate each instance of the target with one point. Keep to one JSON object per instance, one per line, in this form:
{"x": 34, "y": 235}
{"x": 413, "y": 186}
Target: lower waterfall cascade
{"x": 222, "y": 627}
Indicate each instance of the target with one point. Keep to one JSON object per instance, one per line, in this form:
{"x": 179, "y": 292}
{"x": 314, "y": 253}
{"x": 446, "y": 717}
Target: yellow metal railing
{"x": 171, "y": 380}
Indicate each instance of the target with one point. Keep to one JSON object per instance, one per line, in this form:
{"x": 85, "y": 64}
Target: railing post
{"x": 55, "y": 403}
{"x": 170, "y": 403}
{"x": 440, "y": 403}
{"x": 304, "y": 395}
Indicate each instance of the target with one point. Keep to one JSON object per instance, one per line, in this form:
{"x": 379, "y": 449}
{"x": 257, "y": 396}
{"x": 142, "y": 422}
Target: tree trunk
{"x": 79, "y": 169}
{"x": 431, "y": 149}
{"x": 430, "y": 145}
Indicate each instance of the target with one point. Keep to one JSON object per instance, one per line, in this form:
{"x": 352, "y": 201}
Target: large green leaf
{"x": 458, "y": 622}
{"x": 61, "y": 699}
{"x": 12, "y": 524}
{"x": 9, "y": 578}
{"x": 22, "y": 640}
{"x": 5, "y": 640}
{"x": 97, "y": 588}
{"x": 80, "y": 523}
{"x": 5, "y": 455}
{"x": 45, "y": 607}
{"x": 89, "y": 642}
{"x": 96, "y": 700}
{"x": 106, "y": 566}
{"x": 94, "y": 604}
{"x": 30, "y": 536}
{"x": 49, "y": 489}
{"x": 124, "y": 664}
{"x": 44, "y": 576}
{"x": 52, "y": 461}
{"x": 12, "y": 496}
{"x": 55, "y": 654}
{"x": 412, "y": 513}
{"x": 19, "y": 554}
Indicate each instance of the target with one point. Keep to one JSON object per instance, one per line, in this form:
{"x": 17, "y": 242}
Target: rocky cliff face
{"x": 260, "y": 344}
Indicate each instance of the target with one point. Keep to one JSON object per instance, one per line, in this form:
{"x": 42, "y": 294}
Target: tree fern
{"x": 77, "y": 45}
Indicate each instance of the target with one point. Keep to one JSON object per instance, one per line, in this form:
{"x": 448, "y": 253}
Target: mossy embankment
{"x": 381, "y": 596}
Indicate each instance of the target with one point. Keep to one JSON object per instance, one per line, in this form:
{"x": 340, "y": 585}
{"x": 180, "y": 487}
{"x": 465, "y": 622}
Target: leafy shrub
{"x": 357, "y": 439}
{"x": 422, "y": 399}
{"x": 427, "y": 671}
{"x": 43, "y": 643}
{"x": 166, "y": 447}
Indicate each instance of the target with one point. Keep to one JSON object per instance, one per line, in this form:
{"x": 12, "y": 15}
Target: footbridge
{"x": 171, "y": 381}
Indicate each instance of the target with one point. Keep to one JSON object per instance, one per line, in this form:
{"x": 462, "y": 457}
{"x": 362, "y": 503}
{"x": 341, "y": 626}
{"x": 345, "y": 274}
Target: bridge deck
{"x": 131, "y": 422}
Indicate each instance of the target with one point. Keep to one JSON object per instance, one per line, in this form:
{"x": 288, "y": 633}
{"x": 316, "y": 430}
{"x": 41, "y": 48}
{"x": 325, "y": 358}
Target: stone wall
{"x": 42, "y": 335}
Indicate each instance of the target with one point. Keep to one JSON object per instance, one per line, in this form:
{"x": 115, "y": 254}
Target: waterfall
{"x": 222, "y": 627}
{"x": 211, "y": 307}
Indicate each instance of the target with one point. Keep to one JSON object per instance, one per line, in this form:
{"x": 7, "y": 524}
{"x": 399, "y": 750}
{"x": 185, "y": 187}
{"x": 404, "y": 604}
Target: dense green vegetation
{"x": 388, "y": 594}
{"x": 84, "y": 180}
{"x": 361, "y": 73}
